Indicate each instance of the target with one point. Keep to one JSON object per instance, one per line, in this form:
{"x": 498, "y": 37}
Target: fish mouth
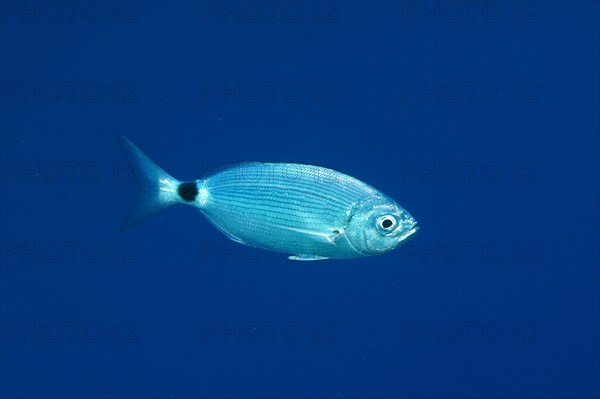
{"x": 409, "y": 232}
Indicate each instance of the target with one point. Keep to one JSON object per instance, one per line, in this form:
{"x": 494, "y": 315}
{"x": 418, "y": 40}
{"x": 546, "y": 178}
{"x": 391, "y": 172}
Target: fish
{"x": 307, "y": 212}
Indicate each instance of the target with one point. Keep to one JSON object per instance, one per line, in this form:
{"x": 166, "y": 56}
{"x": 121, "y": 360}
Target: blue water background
{"x": 496, "y": 297}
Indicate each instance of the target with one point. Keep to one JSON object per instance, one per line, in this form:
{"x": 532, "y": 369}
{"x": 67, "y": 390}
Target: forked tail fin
{"x": 158, "y": 189}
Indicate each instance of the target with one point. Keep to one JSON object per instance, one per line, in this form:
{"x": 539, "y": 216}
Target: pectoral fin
{"x": 330, "y": 236}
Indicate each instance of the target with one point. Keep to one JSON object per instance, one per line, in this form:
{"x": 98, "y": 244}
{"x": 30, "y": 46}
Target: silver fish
{"x": 308, "y": 212}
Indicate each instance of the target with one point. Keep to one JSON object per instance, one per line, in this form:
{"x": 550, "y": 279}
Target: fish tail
{"x": 157, "y": 189}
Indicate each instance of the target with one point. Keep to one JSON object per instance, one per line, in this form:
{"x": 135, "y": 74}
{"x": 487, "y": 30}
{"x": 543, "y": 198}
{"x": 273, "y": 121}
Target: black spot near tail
{"x": 188, "y": 191}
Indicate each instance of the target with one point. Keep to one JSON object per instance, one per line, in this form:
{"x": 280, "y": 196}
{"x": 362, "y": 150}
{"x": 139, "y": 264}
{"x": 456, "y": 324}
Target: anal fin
{"x": 307, "y": 257}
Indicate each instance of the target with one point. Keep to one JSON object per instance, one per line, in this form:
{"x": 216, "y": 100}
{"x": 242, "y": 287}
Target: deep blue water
{"x": 480, "y": 119}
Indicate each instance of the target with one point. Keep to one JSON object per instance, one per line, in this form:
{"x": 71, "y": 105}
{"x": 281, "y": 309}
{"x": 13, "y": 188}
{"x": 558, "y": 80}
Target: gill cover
{"x": 378, "y": 225}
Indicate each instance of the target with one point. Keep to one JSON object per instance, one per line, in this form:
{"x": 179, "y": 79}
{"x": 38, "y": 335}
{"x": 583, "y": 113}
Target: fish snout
{"x": 408, "y": 227}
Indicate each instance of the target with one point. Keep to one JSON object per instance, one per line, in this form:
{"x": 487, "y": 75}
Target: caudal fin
{"x": 158, "y": 189}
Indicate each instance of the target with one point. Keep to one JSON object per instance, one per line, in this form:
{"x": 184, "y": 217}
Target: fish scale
{"x": 255, "y": 213}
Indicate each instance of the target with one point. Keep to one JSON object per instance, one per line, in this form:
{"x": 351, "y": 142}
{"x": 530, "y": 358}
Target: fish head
{"x": 378, "y": 225}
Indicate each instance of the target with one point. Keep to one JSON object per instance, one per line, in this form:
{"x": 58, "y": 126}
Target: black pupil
{"x": 387, "y": 223}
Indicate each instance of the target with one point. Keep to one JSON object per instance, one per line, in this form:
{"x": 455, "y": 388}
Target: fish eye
{"x": 386, "y": 223}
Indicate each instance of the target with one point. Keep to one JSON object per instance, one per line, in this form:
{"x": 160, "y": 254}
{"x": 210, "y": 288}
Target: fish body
{"x": 308, "y": 212}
